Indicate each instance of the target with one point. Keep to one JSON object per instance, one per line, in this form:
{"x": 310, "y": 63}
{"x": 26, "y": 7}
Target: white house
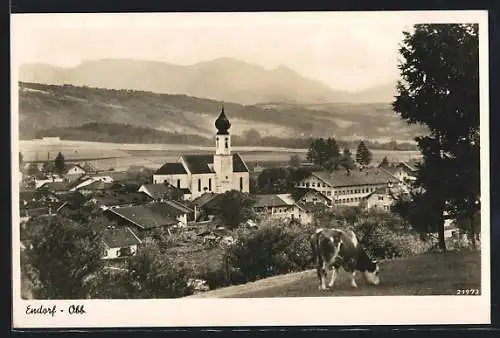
{"x": 281, "y": 207}
{"x": 74, "y": 172}
{"x": 380, "y": 199}
{"x": 120, "y": 243}
{"x": 216, "y": 173}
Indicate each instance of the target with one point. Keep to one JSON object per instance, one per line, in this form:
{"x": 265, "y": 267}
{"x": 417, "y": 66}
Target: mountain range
{"x": 223, "y": 79}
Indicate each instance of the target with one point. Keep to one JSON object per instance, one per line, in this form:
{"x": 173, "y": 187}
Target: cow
{"x": 335, "y": 248}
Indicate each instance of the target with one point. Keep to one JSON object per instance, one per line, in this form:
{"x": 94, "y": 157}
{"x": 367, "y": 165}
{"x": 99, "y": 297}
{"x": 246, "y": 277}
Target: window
{"x": 199, "y": 184}
{"x": 165, "y": 181}
{"x": 178, "y": 183}
{"x": 381, "y": 198}
{"x": 313, "y": 184}
{"x": 209, "y": 184}
{"x": 217, "y": 142}
{"x": 307, "y": 184}
{"x": 227, "y": 143}
{"x": 241, "y": 183}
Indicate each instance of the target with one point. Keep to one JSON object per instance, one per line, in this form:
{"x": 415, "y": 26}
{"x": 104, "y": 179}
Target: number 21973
{"x": 468, "y": 292}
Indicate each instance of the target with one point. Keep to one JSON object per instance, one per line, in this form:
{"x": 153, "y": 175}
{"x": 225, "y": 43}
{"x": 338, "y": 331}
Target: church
{"x": 217, "y": 173}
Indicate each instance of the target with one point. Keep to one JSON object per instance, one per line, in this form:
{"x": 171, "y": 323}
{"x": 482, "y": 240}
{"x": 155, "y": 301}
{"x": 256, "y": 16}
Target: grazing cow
{"x": 334, "y": 248}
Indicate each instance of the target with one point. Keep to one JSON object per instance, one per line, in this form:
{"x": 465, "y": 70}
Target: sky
{"x": 345, "y": 50}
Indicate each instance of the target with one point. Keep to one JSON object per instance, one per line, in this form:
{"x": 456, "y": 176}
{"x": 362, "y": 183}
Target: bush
{"x": 269, "y": 251}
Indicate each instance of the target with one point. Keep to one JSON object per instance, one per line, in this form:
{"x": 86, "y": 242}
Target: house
{"x": 206, "y": 206}
{"x": 217, "y": 173}
{"x": 381, "y": 199}
{"x": 111, "y": 199}
{"x": 56, "y": 188}
{"x": 410, "y": 167}
{"x": 94, "y": 187}
{"x": 175, "y": 209}
{"x": 141, "y": 217}
{"x": 165, "y": 191}
{"x": 309, "y": 195}
{"x": 280, "y": 207}
{"x": 42, "y": 179}
{"x": 348, "y": 187}
{"x": 120, "y": 243}
{"x": 74, "y": 172}
{"x": 401, "y": 174}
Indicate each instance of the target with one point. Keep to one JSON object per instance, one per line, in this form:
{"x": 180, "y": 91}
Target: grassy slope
{"x": 427, "y": 274}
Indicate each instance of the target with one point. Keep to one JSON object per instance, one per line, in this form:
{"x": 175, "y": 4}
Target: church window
{"x": 217, "y": 142}
{"x": 209, "y": 184}
{"x": 227, "y": 143}
{"x": 165, "y": 181}
{"x": 178, "y": 183}
{"x": 199, "y": 184}
{"x": 241, "y": 183}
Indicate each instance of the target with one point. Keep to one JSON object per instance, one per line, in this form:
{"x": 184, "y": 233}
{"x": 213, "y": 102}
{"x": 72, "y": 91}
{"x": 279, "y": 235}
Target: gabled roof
{"x": 366, "y": 176}
{"x": 97, "y": 185}
{"x": 270, "y": 200}
{"x": 159, "y": 190}
{"x": 171, "y": 168}
{"x": 239, "y": 165}
{"x": 301, "y": 192}
{"x": 199, "y": 164}
{"x": 114, "y": 198}
{"x": 144, "y": 217}
{"x": 170, "y": 208}
{"x": 54, "y": 186}
{"x": 204, "y": 199}
{"x": 71, "y": 166}
{"x": 120, "y": 237}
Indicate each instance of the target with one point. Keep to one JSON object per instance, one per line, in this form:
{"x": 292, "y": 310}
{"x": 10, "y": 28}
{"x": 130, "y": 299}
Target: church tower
{"x": 223, "y": 159}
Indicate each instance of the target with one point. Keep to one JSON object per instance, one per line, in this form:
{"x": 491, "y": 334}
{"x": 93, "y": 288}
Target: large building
{"x": 349, "y": 187}
{"x": 217, "y": 173}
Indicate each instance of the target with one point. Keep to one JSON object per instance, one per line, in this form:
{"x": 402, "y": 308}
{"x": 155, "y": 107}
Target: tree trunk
{"x": 442, "y": 242}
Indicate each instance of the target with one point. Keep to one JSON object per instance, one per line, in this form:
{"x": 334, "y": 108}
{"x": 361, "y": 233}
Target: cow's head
{"x": 371, "y": 273}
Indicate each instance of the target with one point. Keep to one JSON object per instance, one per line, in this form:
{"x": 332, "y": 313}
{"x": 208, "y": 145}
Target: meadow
{"x": 430, "y": 273}
{"x": 121, "y": 156}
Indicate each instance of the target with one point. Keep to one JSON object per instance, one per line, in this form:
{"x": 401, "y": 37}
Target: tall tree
{"x": 60, "y": 260}
{"x": 33, "y": 169}
{"x": 324, "y": 153}
{"x": 346, "y": 160}
{"x": 384, "y": 163}
{"x": 295, "y": 161}
{"x": 363, "y": 154}
{"x": 439, "y": 88}
{"x": 59, "y": 164}
{"x": 236, "y": 208}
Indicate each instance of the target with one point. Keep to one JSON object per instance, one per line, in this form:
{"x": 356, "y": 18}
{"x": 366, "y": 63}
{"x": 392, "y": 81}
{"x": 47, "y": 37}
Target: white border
{"x": 387, "y": 310}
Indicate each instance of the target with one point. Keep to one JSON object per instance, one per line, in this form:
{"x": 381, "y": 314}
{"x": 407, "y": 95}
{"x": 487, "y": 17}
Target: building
{"x": 216, "y": 173}
{"x": 309, "y": 195}
{"x": 281, "y": 207}
{"x": 165, "y": 191}
{"x": 349, "y": 187}
{"x": 381, "y": 199}
{"x": 74, "y": 172}
{"x": 120, "y": 243}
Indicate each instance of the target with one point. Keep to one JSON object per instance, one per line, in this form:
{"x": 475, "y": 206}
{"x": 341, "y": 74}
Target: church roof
{"x": 199, "y": 164}
{"x": 171, "y": 169}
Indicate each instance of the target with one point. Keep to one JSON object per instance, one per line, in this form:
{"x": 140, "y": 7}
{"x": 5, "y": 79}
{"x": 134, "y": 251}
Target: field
{"x": 426, "y": 274}
{"x": 121, "y": 156}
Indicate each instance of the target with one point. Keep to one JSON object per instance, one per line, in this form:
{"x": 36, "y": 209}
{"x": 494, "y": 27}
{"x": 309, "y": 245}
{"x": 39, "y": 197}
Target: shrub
{"x": 269, "y": 251}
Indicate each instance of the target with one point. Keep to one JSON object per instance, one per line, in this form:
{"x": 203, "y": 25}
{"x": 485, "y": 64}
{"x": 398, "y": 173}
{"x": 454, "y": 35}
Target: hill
{"x": 425, "y": 274}
{"x": 223, "y": 79}
{"x": 43, "y": 107}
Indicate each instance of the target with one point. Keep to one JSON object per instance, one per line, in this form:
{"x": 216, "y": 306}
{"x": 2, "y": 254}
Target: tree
{"x": 363, "y": 154}
{"x": 384, "y": 163}
{"x": 323, "y": 152}
{"x": 439, "y": 88}
{"x": 236, "y": 208}
{"x": 62, "y": 256}
{"x": 295, "y": 161}
{"x": 59, "y": 163}
{"x": 346, "y": 160}
{"x": 33, "y": 169}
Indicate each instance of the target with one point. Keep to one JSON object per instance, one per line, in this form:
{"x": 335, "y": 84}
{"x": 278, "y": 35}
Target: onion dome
{"x": 222, "y": 123}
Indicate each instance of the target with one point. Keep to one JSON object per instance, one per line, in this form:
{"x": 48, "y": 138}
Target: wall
{"x": 246, "y": 181}
{"x": 172, "y": 179}
{"x": 113, "y": 253}
{"x": 380, "y": 201}
{"x": 204, "y": 184}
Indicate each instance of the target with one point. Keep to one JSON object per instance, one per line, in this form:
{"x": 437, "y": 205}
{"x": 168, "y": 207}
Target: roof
{"x": 171, "y": 168}
{"x": 97, "y": 185}
{"x": 120, "y": 237}
{"x": 71, "y": 166}
{"x": 366, "y": 176}
{"x": 301, "y": 192}
{"x": 270, "y": 200}
{"x": 199, "y": 164}
{"x": 159, "y": 190}
{"x": 411, "y": 165}
{"x": 239, "y": 165}
{"x": 170, "y": 208}
{"x": 113, "y": 198}
{"x": 144, "y": 217}
{"x": 204, "y": 199}
{"x": 54, "y": 186}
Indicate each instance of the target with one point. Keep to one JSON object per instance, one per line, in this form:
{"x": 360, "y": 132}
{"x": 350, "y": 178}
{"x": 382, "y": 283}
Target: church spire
{"x": 222, "y": 123}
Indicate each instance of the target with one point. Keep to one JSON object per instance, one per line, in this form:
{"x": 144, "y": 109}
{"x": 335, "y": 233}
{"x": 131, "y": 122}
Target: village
{"x": 187, "y": 196}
